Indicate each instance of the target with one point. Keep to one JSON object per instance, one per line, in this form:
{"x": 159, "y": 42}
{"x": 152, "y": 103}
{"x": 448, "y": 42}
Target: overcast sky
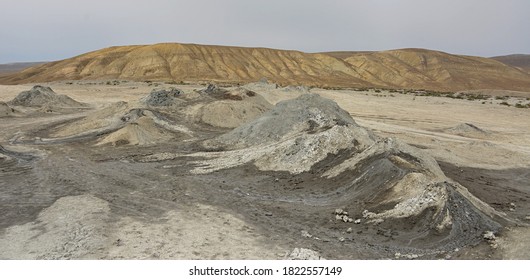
{"x": 45, "y": 30}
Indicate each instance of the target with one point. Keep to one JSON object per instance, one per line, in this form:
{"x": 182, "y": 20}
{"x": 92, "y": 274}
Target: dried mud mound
{"x": 468, "y": 130}
{"x": 111, "y": 117}
{"x": 40, "y": 96}
{"x": 163, "y": 97}
{"x": 5, "y": 110}
{"x": 401, "y": 187}
{"x": 230, "y": 108}
{"x": 306, "y": 115}
{"x": 142, "y": 131}
{"x": 121, "y": 124}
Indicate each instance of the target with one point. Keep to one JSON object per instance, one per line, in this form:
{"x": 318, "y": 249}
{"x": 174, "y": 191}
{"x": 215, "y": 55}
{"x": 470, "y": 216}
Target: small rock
{"x": 342, "y": 239}
{"x": 397, "y": 255}
{"x": 527, "y": 218}
{"x": 358, "y": 221}
{"x": 511, "y": 210}
{"x": 349, "y": 230}
{"x": 345, "y": 219}
{"x": 338, "y": 217}
{"x": 344, "y": 213}
{"x": 338, "y": 211}
{"x": 350, "y": 220}
{"x": 412, "y": 256}
{"x": 456, "y": 249}
{"x": 306, "y": 234}
{"x": 489, "y": 235}
{"x": 512, "y": 205}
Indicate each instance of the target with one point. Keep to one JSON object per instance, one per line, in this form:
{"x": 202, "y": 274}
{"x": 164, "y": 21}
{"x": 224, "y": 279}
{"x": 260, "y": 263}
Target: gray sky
{"x": 44, "y": 30}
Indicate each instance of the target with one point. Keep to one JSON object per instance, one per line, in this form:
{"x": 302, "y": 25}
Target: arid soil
{"x": 132, "y": 170}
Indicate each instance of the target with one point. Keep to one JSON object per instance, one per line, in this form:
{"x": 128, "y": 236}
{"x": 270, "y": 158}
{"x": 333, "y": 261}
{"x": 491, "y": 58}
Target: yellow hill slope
{"x": 407, "y": 68}
{"x": 418, "y": 68}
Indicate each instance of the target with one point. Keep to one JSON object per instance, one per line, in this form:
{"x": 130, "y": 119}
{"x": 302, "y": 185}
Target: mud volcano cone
{"x": 388, "y": 184}
{"x": 40, "y": 96}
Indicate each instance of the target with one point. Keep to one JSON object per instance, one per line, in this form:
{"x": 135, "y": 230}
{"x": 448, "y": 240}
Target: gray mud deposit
{"x": 298, "y": 180}
{"x": 39, "y": 96}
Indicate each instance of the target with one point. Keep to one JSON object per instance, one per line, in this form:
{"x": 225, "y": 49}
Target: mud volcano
{"x": 387, "y": 184}
{"x": 230, "y": 108}
{"x": 163, "y": 97}
{"x": 40, "y": 96}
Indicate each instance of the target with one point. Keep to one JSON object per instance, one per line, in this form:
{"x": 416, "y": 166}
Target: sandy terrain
{"x": 123, "y": 180}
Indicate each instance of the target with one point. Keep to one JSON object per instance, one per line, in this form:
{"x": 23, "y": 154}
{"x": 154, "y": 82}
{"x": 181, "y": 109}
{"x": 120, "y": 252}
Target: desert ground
{"x": 149, "y": 170}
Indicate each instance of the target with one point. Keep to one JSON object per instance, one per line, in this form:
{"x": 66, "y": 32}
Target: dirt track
{"x": 120, "y": 205}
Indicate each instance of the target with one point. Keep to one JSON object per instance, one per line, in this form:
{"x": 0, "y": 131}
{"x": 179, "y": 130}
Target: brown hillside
{"x": 408, "y": 68}
{"x": 419, "y": 68}
{"x": 521, "y": 61}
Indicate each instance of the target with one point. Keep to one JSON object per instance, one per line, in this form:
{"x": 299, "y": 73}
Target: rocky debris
{"x": 163, "y": 97}
{"x": 5, "y": 110}
{"x": 489, "y": 235}
{"x": 304, "y": 254}
{"x": 306, "y": 234}
{"x": 40, "y": 96}
{"x": 527, "y": 218}
{"x": 341, "y": 215}
{"x": 358, "y": 221}
{"x": 349, "y": 230}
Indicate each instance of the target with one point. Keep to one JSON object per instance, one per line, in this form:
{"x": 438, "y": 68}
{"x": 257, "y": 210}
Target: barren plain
{"x": 149, "y": 170}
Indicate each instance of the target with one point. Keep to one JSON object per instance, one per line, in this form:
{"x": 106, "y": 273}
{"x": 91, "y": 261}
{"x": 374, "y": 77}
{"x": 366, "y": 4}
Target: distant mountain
{"x": 16, "y": 67}
{"x": 406, "y": 68}
{"x": 521, "y": 61}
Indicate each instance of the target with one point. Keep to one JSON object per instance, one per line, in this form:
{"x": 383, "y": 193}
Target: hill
{"x": 406, "y": 68}
{"x": 521, "y": 61}
{"x": 419, "y": 68}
